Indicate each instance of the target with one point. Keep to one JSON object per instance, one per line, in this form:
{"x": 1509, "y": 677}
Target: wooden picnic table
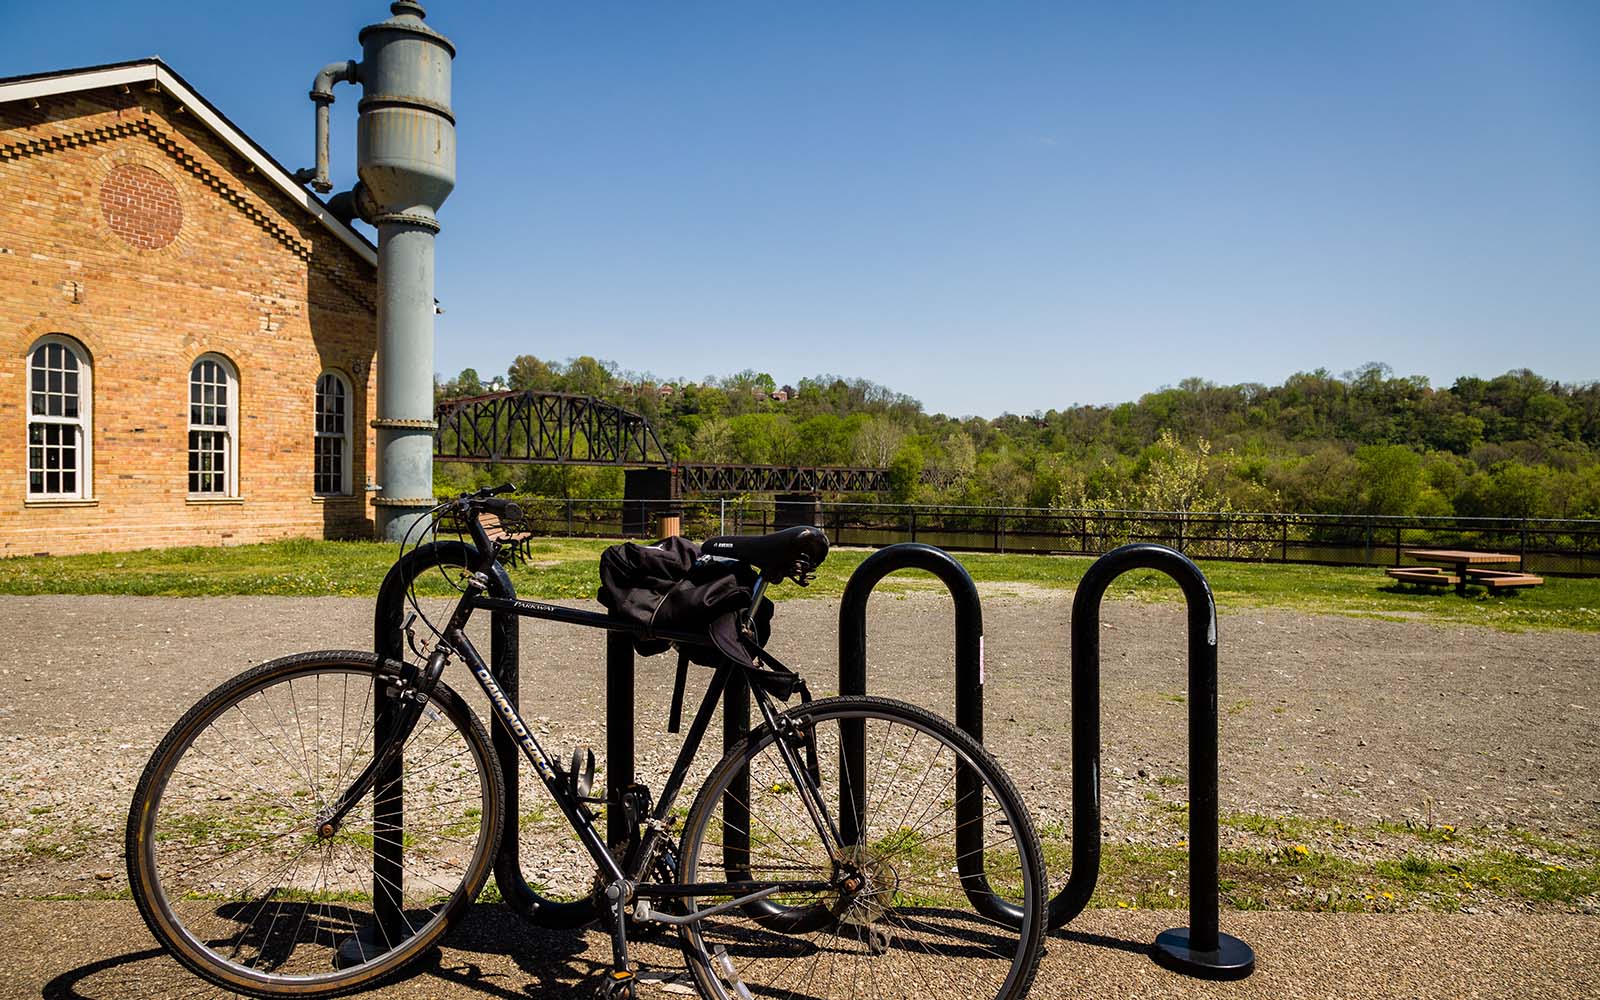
{"x": 1463, "y": 563}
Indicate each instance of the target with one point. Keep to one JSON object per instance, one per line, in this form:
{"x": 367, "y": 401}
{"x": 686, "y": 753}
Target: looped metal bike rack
{"x": 388, "y": 640}
{"x": 969, "y": 701}
{"x": 1200, "y": 949}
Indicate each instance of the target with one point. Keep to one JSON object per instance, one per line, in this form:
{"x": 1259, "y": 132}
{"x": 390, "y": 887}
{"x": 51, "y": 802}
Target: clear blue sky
{"x": 991, "y": 206}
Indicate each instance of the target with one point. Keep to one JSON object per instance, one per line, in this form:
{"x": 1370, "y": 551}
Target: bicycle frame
{"x": 454, "y": 641}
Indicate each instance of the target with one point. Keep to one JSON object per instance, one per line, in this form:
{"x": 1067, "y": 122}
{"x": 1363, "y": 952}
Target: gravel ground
{"x": 1322, "y": 717}
{"x": 1347, "y": 719}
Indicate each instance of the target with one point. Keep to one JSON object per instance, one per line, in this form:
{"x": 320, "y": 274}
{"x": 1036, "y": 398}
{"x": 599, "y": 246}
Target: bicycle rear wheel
{"x": 224, "y": 855}
{"x": 938, "y": 890}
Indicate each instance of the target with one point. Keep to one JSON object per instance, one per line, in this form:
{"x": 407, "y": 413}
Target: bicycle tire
{"x": 922, "y": 922}
{"x": 223, "y": 780}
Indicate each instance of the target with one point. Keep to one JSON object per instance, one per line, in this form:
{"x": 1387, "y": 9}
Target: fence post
{"x": 913, "y": 524}
{"x": 1397, "y": 531}
{"x": 1366, "y": 558}
{"x": 1285, "y": 523}
{"x": 569, "y": 518}
{"x": 1522, "y": 548}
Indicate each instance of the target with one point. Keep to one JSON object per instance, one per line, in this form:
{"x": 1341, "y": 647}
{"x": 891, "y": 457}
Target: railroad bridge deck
{"x": 528, "y": 427}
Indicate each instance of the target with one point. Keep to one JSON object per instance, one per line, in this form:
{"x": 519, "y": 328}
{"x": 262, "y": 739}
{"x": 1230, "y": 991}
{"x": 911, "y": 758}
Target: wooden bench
{"x": 1498, "y": 579}
{"x": 1431, "y": 576}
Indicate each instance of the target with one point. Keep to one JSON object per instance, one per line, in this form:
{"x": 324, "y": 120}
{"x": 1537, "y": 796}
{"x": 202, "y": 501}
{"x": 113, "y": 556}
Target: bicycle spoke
{"x": 238, "y": 868}
{"x": 901, "y": 920}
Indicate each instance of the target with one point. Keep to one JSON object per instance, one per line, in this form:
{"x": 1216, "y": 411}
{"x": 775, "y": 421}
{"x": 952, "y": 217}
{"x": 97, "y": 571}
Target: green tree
{"x": 528, "y": 372}
{"x": 1389, "y": 481}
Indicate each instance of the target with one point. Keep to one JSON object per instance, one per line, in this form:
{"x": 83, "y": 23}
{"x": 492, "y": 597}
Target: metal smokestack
{"x": 406, "y": 159}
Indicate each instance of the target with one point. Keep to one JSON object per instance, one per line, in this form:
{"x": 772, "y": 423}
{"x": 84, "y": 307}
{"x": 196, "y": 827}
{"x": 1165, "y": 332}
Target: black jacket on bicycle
{"x": 670, "y": 586}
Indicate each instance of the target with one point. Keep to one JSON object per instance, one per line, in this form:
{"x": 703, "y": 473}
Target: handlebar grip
{"x": 506, "y": 510}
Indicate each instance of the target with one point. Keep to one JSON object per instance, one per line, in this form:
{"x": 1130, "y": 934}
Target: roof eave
{"x": 153, "y": 70}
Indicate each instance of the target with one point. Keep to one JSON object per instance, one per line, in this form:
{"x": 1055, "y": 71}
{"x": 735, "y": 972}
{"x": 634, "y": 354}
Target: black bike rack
{"x": 1197, "y": 950}
{"x": 1200, "y": 949}
{"x": 969, "y": 701}
{"x": 389, "y": 641}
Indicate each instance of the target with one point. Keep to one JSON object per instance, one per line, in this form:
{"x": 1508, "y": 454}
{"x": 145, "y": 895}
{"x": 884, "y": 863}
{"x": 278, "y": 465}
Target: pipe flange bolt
{"x": 405, "y": 425}
{"x": 427, "y": 222}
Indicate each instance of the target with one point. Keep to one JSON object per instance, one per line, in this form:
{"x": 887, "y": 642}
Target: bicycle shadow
{"x": 492, "y": 953}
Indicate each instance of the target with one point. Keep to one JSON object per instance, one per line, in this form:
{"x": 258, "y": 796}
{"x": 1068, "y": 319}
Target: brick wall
{"x": 132, "y": 230}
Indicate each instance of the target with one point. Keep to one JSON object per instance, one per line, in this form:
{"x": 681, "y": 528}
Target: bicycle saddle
{"x": 785, "y": 553}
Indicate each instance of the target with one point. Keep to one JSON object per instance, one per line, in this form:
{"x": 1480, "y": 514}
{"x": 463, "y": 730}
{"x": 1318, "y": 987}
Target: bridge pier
{"x": 647, "y": 492}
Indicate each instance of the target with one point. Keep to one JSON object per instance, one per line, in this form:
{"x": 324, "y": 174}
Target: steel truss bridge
{"x": 556, "y": 428}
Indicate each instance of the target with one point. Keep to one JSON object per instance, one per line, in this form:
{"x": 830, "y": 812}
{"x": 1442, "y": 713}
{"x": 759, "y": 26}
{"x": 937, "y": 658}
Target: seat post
{"x": 747, "y": 624}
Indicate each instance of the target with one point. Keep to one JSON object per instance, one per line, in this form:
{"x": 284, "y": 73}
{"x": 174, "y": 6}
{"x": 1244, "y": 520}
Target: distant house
{"x": 780, "y": 396}
{"x": 665, "y": 390}
{"x": 187, "y": 335}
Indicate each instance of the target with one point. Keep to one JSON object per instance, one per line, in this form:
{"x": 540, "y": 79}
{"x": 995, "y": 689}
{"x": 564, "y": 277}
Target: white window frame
{"x": 343, "y": 436}
{"x": 229, "y": 430}
{"x": 83, "y": 422}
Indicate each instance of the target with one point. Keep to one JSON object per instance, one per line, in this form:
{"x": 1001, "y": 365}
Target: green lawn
{"x": 566, "y": 568}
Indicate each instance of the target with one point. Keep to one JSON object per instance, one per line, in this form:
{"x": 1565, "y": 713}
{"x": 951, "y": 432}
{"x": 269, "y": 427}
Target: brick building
{"x": 187, "y": 336}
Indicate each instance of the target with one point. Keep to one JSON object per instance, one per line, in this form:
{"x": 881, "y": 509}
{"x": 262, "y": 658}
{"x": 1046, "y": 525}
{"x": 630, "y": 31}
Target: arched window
{"x": 213, "y": 428}
{"x": 331, "y": 446}
{"x": 59, "y": 430}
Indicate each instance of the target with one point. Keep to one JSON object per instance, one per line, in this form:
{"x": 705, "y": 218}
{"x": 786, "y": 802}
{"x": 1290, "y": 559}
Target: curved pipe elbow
{"x": 344, "y": 71}
{"x": 347, "y": 71}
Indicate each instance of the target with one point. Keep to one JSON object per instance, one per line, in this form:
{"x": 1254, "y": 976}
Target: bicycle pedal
{"x": 620, "y": 984}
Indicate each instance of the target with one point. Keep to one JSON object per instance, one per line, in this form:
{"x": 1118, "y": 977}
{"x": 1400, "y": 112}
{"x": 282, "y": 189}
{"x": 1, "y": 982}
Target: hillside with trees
{"x": 1365, "y": 442}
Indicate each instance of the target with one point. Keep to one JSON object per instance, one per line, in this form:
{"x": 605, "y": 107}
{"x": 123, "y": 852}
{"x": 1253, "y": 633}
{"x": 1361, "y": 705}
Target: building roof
{"x": 152, "y": 70}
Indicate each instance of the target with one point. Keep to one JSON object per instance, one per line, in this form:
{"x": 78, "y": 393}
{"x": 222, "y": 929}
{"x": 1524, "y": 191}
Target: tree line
{"x": 1364, "y": 442}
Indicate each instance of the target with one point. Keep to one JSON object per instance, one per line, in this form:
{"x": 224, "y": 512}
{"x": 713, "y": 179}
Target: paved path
{"x": 101, "y": 951}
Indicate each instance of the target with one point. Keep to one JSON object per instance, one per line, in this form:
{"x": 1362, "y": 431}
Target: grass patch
{"x": 1295, "y": 877}
{"x": 567, "y": 568}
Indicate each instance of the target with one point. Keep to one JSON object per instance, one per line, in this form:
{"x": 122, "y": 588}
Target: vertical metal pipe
{"x": 406, "y": 158}
{"x": 405, "y": 374}
{"x": 388, "y": 827}
{"x": 619, "y": 733}
{"x": 735, "y": 801}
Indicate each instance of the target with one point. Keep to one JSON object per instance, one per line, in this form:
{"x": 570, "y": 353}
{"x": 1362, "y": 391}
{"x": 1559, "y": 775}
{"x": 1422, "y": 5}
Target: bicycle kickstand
{"x": 620, "y": 981}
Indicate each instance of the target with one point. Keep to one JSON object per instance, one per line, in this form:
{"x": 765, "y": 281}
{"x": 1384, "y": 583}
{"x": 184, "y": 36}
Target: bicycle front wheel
{"x": 225, "y": 857}
{"x": 934, "y": 888}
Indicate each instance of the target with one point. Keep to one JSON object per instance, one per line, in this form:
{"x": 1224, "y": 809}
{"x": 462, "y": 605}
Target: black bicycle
{"x": 318, "y": 822}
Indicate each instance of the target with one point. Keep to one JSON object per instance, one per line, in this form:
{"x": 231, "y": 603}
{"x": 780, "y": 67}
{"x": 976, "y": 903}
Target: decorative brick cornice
{"x": 179, "y": 153}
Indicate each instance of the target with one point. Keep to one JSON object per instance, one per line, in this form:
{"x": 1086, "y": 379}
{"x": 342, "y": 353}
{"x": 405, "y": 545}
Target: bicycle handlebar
{"x": 469, "y": 506}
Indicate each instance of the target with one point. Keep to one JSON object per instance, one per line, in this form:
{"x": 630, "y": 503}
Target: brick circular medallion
{"x": 141, "y": 206}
